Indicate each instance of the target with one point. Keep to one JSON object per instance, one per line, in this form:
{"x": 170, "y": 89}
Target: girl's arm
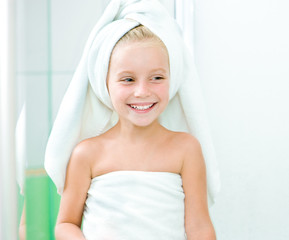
{"x": 22, "y": 225}
{"x": 198, "y": 224}
{"x": 78, "y": 178}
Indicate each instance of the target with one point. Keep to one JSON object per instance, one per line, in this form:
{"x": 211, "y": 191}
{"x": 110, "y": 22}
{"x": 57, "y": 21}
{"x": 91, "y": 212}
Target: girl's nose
{"x": 142, "y": 90}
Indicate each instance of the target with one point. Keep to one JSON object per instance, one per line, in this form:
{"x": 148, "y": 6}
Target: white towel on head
{"x": 86, "y": 108}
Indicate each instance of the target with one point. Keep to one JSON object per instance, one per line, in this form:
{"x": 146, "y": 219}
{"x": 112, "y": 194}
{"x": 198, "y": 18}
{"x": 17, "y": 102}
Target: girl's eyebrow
{"x": 126, "y": 72}
{"x": 159, "y": 70}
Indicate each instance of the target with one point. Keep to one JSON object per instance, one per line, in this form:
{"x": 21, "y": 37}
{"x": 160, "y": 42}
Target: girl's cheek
{"x": 118, "y": 94}
{"x": 163, "y": 89}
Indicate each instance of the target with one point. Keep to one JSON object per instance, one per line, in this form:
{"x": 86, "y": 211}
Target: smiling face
{"x": 138, "y": 81}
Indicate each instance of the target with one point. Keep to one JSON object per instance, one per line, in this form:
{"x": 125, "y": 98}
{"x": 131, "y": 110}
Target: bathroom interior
{"x": 241, "y": 53}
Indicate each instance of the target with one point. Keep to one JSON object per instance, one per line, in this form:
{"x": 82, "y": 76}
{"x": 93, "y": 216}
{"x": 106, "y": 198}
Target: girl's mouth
{"x": 142, "y": 107}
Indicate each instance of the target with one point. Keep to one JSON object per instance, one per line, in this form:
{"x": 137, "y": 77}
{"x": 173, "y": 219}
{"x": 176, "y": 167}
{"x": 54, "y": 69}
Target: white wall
{"x": 242, "y": 54}
{"x": 50, "y": 37}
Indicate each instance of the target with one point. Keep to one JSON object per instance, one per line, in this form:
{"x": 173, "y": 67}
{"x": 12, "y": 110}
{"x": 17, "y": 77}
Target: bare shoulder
{"x": 186, "y": 138}
{"x": 190, "y": 151}
{"x": 81, "y": 162}
{"x": 187, "y": 143}
{"x": 87, "y": 146}
{"x": 77, "y": 182}
{"x": 86, "y": 150}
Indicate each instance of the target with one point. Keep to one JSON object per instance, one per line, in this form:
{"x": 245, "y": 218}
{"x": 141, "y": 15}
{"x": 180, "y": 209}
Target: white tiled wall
{"x": 50, "y": 38}
{"x": 32, "y": 36}
{"x": 32, "y": 69}
{"x": 37, "y": 118}
{"x": 71, "y": 22}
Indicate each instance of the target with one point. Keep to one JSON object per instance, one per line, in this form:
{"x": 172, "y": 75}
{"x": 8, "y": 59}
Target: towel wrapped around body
{"x": 135, "y": 205}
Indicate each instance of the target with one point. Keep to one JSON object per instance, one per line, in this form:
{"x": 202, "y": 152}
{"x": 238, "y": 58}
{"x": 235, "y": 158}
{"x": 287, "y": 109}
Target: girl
{"x": 134, "y": 178}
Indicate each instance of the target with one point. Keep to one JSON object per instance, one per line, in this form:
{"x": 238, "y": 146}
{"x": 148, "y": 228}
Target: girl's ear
{"x": 107, "y": 88}
{"x": 107, "y": 80}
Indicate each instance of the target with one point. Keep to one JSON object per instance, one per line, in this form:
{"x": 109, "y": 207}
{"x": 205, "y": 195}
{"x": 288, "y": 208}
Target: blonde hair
{"x": 140, "y": 34}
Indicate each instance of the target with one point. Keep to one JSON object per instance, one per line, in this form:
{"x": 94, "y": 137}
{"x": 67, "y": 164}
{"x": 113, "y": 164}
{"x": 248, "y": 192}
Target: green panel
{"x": 54, "y": 200}
{"x": 41, "y": 208}
{"x": 37, "y": 208}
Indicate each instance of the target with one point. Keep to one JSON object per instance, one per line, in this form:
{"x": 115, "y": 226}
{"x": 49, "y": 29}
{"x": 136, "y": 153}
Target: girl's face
{"x": 138, "y": 81}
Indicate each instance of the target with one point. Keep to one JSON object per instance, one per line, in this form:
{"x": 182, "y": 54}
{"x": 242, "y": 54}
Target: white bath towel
{"x": 86, "y": 108}
{"x": 135, "y": 205}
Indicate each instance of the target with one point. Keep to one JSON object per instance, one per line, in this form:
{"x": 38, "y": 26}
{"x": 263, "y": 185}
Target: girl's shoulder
{"x": 184, "y": 148}
{"x": 183, "y": 139}
{"x": 185, "y": 144}
{"x": 87, "y": 150}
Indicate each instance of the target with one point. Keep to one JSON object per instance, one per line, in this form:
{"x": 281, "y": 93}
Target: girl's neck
{"x": 137, "y": 134}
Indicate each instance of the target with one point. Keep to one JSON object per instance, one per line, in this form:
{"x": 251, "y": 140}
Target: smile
{"x": 141, "y": 107}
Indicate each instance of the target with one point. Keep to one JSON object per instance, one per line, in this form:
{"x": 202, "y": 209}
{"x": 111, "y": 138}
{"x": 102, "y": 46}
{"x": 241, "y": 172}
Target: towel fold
{"x": 86, "y": 109}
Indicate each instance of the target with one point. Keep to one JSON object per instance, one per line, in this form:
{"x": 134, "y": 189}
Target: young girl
{"x": 134, "y": 178}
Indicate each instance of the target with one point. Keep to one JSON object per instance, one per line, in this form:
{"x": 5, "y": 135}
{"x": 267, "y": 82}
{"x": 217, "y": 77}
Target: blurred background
{"x": 241, "y": 52}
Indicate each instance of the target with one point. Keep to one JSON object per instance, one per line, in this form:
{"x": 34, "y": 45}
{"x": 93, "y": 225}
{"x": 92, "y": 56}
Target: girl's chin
{"x": 141, "y": 122}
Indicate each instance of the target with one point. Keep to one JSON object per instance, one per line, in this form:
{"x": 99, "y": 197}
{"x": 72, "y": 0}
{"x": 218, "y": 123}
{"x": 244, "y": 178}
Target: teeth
{"x": 141, "y": 107}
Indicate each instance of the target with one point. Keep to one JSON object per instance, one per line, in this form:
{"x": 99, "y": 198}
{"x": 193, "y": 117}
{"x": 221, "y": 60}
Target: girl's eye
{"x": 158, "y": 78}
{"x": 127, "y": 80}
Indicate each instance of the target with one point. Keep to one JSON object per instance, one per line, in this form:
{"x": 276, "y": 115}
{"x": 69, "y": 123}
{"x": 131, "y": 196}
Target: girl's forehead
{"x": 139, "y": 43}
{"x": 145, "y": 54}
{"x": 138, "y": 49}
